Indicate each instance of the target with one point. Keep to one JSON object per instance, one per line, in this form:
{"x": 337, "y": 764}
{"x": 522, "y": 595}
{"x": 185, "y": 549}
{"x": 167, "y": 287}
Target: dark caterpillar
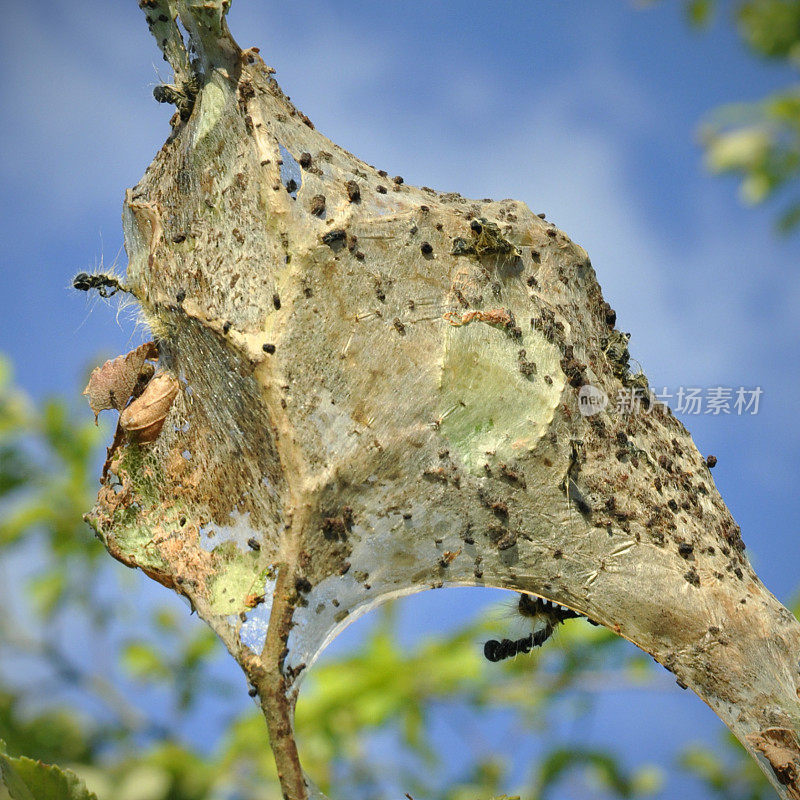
{"x": 107, "y": 285}
{"x": 550, "y": 615}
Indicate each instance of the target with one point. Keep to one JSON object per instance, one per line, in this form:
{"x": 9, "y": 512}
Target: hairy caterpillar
{"x": 545, "y": 616}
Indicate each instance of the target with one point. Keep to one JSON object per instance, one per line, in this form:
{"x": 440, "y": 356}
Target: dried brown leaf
{"x": 111, "y": 385}
{"x": 144, "y": 417}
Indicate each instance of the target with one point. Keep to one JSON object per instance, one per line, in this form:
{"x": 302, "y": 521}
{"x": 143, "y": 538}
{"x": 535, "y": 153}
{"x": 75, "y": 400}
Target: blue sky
{"x": 586, "y": 109}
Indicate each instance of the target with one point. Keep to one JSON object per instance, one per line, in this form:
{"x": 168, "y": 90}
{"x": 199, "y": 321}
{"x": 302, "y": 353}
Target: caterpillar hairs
{"x": 545, "y": 617}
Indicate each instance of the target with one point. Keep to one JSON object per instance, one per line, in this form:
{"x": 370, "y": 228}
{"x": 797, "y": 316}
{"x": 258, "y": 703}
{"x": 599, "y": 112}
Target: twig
{"x": 272, "y": 690}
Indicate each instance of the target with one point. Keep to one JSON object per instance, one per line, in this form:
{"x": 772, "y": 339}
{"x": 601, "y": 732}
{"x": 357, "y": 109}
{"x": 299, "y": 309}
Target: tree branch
{"x": 274, "y": 691}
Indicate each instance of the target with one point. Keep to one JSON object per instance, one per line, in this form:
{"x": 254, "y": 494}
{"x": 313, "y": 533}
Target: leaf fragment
{"x": 27, "y": 779}
{"x": 144, "y": 417}
{"x": 112, "y": 385}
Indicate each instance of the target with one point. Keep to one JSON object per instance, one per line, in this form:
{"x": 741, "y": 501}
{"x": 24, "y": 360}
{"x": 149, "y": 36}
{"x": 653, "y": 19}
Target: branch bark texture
{"x": 380, "y": 395}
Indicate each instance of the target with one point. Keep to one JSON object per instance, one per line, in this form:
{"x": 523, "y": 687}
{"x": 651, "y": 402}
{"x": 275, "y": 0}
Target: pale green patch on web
{"x": 489, "y": 409}
{"x": 212, "y": 102}
{"x": 237, "y": 578}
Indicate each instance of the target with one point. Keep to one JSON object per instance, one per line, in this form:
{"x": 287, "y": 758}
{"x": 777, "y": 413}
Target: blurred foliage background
{"x": 758, "y": 142}
{"x": 85, "y": 641}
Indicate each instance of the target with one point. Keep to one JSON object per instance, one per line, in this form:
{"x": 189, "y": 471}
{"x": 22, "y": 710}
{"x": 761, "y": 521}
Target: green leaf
{"x": 755, "y": 188}
{"x": 47, "y": 590}
{"x": 201, "y": 646}
{"x": 27, "y": 779}
{"x": 604, "y": 767}
{"x": 790, "y": 219}
{"x": 53, "y": 735}
{"x": 770, "y": 27}
{"x": 143, "y": 661}
{"x": 699, "y": 12}
{"x": 647, "y": 780}
{"x": 741, "y": 149}
{"x": 166, "y": 620}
